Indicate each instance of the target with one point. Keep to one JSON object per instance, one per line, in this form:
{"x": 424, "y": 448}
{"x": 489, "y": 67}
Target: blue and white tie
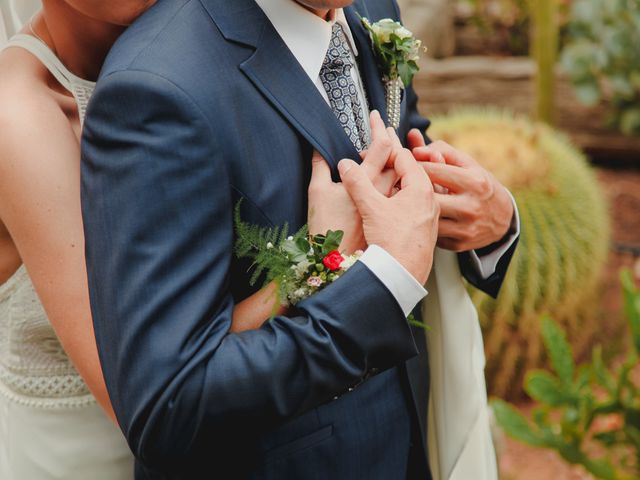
{"x": 341, "y": 89}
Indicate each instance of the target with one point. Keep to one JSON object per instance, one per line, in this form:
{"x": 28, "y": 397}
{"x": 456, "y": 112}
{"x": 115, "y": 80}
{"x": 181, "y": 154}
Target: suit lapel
{"x": 367, "y": 62}
{"x": 274, "y": 70}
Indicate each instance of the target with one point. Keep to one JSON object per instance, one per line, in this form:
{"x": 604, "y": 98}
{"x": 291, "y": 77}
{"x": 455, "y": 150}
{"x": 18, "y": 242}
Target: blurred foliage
{"x": 587, "y": 410}
{"x": 509, "y": 19}
{"x": 602, "y": 57}
{"x": 563, "y": 246}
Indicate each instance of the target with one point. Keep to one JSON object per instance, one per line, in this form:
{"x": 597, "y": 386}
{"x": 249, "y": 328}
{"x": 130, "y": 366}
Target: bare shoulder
{"x": 29, "y": 113}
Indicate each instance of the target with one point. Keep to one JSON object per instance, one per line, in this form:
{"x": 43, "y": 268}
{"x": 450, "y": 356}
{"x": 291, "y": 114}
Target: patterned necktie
{"x": 341, "y": 89}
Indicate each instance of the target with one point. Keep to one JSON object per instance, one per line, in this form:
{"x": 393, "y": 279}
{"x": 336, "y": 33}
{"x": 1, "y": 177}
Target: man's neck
{"x": 80, "y": 42}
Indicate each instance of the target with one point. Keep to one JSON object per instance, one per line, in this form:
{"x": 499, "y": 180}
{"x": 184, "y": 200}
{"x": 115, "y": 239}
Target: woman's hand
{"x": 331, "y": 208}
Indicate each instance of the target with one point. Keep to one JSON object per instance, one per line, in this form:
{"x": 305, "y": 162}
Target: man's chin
{"x": 324, "y": 4}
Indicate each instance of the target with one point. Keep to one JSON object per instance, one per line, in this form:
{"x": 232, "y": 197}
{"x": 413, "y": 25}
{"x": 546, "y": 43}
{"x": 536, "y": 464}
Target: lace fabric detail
{"x": 33, "y": 365}
{"x": 82, "y": 95}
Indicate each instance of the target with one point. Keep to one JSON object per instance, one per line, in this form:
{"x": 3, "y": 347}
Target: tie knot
{"x": 339, "y": 54}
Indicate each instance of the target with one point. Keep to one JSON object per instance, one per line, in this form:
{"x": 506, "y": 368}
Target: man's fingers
{"x": 395, "y": 140}
{"x": 358, "y": 185}
{"x": 386, "y": 181}
{"x": 452, "y": 229}
{"x": 452, "y": 207}
{"x": 456, "y": 179}
{"x": 380, "y": 148}
{"x": 424, "y": 154}
{"x": 320, "y": 171}
{"x": 410, "y": 171}
{"x": 451, "y": 244}
{"x": 415, "y": 139}
{"x": 450, "y": 154}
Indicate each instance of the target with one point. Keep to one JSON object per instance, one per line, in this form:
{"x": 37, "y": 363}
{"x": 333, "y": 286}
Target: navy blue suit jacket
{"x": 201, "y": 104}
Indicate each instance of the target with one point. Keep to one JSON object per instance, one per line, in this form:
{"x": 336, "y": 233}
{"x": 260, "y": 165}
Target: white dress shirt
{"x": 307, "y": 36}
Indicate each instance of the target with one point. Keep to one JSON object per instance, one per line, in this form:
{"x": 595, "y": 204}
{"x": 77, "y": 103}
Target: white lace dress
{"x": 51, "y": 427}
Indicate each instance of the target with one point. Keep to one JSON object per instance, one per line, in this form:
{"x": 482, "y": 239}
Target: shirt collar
{"x": 306, "y": 35}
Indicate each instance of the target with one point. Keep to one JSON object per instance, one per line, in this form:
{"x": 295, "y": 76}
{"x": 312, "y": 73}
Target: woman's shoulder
{"x": 27, "y": 103}
{"x": 24, "y": 83}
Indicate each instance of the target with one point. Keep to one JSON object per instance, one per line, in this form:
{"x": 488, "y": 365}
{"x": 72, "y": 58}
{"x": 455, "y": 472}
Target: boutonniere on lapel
{"x": 397, "y": 51}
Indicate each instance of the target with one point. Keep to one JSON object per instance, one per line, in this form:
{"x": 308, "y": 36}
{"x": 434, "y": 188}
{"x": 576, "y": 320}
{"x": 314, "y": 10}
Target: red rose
{"x": 333, "y": 260}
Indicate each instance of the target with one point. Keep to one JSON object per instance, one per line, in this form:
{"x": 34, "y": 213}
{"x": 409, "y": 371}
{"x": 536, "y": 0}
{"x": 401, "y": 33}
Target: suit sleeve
{"x": 158, "y": 223}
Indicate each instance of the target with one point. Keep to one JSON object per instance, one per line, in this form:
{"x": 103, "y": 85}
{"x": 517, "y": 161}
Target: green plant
{"x": 545, "y": 36}
{"x": 586, "y": 407}
{"x": 563, "y": 246}
{"x": 602, "y": 57}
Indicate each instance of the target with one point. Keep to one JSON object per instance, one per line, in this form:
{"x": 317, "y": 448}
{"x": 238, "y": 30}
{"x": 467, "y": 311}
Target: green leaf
{"x": 332, "y": 241}
{"x": 632, "y": 307}
{"x": 514, "y": 424}
{"x": 607, "y": 438}
{"x": 559, "y": 351}
{"x": 296, "y": 250}
{"x": 601, "y": 374}
{"x": 600, "y": 468}
{"x": 541, "y": 386}
{"x": 405, "y": 72}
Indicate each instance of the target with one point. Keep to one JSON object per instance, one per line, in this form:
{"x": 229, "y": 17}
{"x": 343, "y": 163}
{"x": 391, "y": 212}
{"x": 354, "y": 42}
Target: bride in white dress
{"x": 53, "y": 396}
{"x": 51, "y": 426}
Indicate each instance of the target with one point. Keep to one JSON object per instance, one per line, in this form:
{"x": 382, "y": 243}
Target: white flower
{"x": 297, "y": 295}
{"x": 301, "y": 268}
{"x": 384, "y": 28}
{"x": 403, "y": 33}
{"x": 269, "y": 246}
{"x": 348, "y": 262}
{"x": 290, "y": 238}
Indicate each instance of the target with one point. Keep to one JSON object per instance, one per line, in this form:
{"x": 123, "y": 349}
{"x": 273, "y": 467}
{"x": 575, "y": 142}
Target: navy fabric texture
{"x": 200, "y": 104}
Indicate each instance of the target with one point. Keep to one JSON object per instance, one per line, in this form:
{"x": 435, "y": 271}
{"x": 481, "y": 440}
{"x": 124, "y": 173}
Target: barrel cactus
{"x": 563, "y": 246}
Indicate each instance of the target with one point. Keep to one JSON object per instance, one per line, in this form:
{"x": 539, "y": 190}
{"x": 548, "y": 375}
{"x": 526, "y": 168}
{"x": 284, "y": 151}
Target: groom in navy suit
{"x": 202, "y": 103}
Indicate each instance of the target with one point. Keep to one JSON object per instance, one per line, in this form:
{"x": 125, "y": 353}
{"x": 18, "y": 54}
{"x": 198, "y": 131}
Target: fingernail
{"x": 345, "y": 165}
{"x": 375, "y": 113}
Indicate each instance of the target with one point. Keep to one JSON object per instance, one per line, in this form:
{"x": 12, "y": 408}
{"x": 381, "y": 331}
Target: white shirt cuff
{"x": 487, "y": 264}
{"x": 400, "y": 283}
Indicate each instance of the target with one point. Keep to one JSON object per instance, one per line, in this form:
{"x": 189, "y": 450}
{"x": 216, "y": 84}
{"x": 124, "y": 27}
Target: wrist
{"x": 420, "y": 270}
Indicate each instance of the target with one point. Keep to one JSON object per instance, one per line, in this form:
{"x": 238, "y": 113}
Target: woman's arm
{"x": 252, "y": 312}
{"x": 40, "y": 206}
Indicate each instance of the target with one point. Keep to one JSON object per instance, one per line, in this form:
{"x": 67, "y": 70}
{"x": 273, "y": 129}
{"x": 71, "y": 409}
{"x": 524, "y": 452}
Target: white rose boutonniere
{"x": 398, "y": 52}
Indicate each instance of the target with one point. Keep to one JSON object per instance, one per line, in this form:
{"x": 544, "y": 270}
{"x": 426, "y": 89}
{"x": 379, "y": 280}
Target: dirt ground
{"x": 622, "y": 186}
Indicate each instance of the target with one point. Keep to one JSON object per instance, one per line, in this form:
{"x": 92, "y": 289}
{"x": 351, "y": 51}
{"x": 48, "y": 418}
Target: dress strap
{"x": 80, "y": 88}
{"x": 43, "y": 53}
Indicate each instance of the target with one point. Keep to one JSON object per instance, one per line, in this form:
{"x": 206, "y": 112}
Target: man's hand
{"x": 477, "y": 210}
{"x": 331, "y": 207}
{"x": 405, "y": 225}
